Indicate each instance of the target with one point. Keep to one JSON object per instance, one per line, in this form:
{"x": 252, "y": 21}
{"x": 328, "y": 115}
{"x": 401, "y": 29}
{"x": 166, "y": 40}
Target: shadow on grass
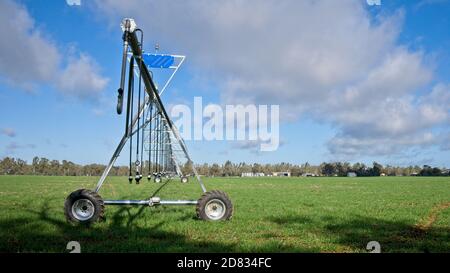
{"x": 42, "y": 232}
{"x": 290, "y": 220}
{"x": 127, "y": 231}
{"x": 354, "y": 234}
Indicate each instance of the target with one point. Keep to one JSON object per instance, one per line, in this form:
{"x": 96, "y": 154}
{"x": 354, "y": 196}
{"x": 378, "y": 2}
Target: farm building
{"x": 309, "y": 175}
{"x": 252, "y": 174}
{"x": 285, "y": 174}
{"x": 351, "y": 174}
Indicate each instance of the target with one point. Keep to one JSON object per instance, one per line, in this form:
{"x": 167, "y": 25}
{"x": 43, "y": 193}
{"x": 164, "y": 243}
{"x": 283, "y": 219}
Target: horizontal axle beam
{"x": 150, "y": 202}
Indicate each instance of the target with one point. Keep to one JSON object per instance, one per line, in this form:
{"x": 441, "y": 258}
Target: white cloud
{"x": 424, "y": 3}
{"x": 292, "y": 52}
{"x": 24, "y": 51}
{"x": 12, "y": 147}
{"x": 350, "y": 147}
{"x": 253, "y": 146}
{"x": 8, "y": 132}
{"x": 73, "y": 2}
{"x": 328, "y": 59}
{"x": 81, "y": 77}
{"x": 29, "y": 58}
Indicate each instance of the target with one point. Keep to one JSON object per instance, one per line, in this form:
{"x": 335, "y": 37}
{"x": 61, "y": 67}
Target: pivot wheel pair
{"x": 86, "y": 207}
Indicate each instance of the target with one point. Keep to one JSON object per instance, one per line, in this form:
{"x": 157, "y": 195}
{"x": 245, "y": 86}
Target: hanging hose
{"x": 130, "y": 106}
{"x": 123, "y": 71}
{"x": 150, "y": 141}
{"x": 142, "y": 140}
{"x": 169, "y": 152}
{"x": 137, "y": 163}
{"x": 165, "y": 150}
{"x": 129, "y": 97}
{"x": 157, "y": 144}
{"x": 161, "y": 146}
{"x": 139, "y": 127}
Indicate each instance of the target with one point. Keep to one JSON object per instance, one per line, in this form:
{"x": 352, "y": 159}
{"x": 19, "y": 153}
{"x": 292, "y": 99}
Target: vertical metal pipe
{"x": 129, "y": 96}
{"x": 150, "y": 141}
{"x": 123, "y": 72}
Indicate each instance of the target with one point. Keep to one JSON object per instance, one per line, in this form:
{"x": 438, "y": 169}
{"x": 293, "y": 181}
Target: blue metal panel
{"x": 158, "y": 60}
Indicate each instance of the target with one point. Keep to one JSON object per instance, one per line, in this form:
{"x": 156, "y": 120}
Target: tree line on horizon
{"x": 44, "y": 166}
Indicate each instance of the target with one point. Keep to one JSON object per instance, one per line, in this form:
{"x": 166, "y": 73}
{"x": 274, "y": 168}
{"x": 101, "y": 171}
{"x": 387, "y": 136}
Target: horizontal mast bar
{"x": 149, "y": 202}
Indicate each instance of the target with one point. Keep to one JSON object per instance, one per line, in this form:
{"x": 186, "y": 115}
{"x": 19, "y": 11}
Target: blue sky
{"x": 354, "y": 82}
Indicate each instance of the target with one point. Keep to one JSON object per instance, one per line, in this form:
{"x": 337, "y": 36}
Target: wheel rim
{"x": 83, "y": 209}
{"x": 215, "y": 209}
{"x": 184, "y": 179}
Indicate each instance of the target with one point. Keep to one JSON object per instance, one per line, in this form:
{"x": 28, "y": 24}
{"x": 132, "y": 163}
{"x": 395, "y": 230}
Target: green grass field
{"x": 404, "y": 214}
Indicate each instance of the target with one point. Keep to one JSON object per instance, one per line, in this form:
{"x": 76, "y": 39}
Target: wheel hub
{"x": 215, "y": 209}
{"x": 83, "y": 209}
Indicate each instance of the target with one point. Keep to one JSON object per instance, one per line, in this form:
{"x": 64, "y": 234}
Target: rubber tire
{"x": 208, "y": 196}
{"x": 184, "y": 179}
{"x": 158, "y": 179}
{"x": 96, "y": 200}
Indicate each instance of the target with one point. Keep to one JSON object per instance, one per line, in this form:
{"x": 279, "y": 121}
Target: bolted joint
{"x": 154, "y": 201}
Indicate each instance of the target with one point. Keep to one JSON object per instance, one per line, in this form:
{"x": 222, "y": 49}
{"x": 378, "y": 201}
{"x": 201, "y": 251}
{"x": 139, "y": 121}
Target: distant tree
{"x": 54, "y": 167}
{"x": 295, "y": 170}
{"x": 341, "y": 169}
{"x": 187, "y": 168}
{"x": 228, "y": 168}
{"x": 21, "y": 166}
{"x": 244, "y": 167}
{"x": 35, "y": 164}
{"x": 376, "y": 169}
{"x": 306, "y": 168}
{"x": 426, "y": 171}
{"x": 215, "y": 170}
{"x": 44, "y": 166}
{"x": 8, "y": 166}
{"x": 360, "y": 169}
{"x": 257, "y": 168}
{"x": 328, "y": 169}
{"x": 203, "y": 169}
{"x": 436, "y": 172}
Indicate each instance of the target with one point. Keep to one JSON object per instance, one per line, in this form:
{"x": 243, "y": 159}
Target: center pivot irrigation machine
{"x": 154, "y": 134}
